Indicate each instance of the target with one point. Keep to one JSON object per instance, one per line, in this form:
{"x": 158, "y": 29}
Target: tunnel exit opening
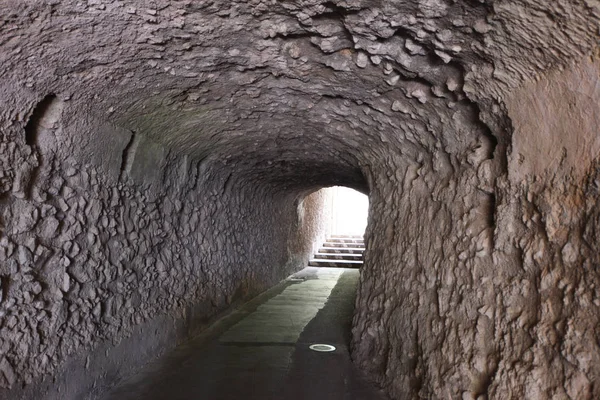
{"x": 345, "y": 218}
{"x": 349, "y": 211}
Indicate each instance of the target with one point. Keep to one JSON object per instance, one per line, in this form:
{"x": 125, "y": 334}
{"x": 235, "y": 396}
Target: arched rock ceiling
{"x": 294, "y": 93}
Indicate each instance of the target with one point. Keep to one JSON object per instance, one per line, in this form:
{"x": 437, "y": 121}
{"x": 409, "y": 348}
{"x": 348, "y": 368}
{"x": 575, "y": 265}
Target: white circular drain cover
{"x": 325, "y": 348}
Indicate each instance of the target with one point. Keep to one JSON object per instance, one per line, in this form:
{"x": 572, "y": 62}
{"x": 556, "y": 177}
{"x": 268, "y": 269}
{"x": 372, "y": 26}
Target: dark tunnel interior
{"x": 156, "y": 156}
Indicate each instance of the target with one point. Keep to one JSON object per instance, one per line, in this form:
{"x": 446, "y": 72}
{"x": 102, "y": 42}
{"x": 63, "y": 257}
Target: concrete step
{"x": 339, "y": 244}
{"x": 347, "y": 236}
{"x": 342, "y": 250}
{"x": 344, "y": 240}
{"x": 335, "y": 264}
{"x": 333, "y": 256}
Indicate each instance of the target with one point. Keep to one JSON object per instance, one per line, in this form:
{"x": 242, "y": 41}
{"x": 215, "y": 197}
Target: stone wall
{"x": 104, "y": 231}
{"x": 314, "y": 220}
{"x": 493, "y": 291}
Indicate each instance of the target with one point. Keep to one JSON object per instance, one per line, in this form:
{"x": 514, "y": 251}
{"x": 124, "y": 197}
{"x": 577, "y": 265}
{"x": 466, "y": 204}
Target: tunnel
{"x": 161, "y": 163}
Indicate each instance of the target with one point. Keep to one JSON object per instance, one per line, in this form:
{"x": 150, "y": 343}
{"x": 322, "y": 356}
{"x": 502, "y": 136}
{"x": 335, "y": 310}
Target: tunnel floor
{"x": 261, "y": 351}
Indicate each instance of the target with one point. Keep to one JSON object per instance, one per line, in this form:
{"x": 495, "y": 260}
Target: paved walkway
{"x": 261, "y": 352}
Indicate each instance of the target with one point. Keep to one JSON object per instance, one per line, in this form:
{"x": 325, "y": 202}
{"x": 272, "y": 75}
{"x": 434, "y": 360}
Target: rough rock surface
{"x": 154, "y": 155}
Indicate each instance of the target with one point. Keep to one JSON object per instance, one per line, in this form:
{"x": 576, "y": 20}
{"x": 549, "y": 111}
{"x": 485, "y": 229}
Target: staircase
{"x": 341, "y": 251}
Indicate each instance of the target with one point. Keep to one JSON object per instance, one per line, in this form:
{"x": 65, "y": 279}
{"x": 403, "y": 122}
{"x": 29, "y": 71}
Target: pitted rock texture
{"x": 85, "y": 259}
{"x": 147, "y": 142}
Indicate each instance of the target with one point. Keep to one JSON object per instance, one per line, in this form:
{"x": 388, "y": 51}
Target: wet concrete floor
{"x": 261, "y": 351}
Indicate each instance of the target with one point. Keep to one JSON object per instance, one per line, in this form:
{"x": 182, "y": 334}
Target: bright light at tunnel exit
{"x": 349, "y": 211}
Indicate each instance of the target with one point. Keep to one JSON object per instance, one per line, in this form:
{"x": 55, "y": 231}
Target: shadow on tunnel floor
{"x": 211, "y": 369}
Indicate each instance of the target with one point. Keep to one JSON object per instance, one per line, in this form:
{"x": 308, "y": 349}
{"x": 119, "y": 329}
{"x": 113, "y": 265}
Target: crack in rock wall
{"x": 134, "y": 130}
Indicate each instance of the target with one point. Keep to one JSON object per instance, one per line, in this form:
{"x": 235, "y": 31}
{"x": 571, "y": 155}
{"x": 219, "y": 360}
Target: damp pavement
{"x": 261, "y": 351}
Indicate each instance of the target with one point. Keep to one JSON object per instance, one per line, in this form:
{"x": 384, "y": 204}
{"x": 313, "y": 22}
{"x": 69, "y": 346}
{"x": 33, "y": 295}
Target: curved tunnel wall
{"x": 143, "y": 243}
{"x": 143, "y": 143}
